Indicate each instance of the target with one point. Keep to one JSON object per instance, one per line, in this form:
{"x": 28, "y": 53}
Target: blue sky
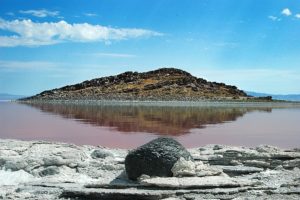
{"x": 254, "y": 45}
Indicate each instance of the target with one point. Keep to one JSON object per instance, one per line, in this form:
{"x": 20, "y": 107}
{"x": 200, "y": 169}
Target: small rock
{"x": 290, "y": 164}
{"x": 197, "y": 182}
{"x": 52, "y": 170}
{"x": 206, "y": 170}
{"x": 172, "y": 198}
{"x": 53, "y": 161}
{"x": 257, "y": 163}
{"x": 234, "y": 162}
{"x": 267, "y": 149}
{"x": 238, "y": 170}
{"x": 143, "y": 177}
{"x": 183, "y": 168}
{"x": 15, "y": 165}
{"x": 100, "y": 153}
{"x": 155, "y": 158}
{"x": 217, "y": 147}
{"x": 202, "y": 149}
{"x": 2, "y": 161}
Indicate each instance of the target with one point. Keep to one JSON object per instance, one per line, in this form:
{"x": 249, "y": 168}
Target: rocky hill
{"x": 160, "y": 84}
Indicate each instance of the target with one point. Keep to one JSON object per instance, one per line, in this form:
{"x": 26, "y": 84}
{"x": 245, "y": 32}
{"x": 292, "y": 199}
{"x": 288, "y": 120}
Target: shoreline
{"x": 172, "y": 103}
{"x": 52, "y": 170}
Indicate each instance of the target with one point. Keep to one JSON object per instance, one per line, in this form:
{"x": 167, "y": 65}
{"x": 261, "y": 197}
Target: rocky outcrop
{"x": 160, "y": 84}
{"x": 155, "y": 158}
{"x": 48, "y": 170}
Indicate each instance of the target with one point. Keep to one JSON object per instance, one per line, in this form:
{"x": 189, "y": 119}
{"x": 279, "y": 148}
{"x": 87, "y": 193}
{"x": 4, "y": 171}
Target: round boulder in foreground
{"x": 155, "y": 158}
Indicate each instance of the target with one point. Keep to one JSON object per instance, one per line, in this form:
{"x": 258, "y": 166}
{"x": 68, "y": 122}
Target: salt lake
{"x": 130, "y": 124}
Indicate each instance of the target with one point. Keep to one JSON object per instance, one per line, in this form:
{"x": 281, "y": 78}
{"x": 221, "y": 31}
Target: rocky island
{"x": 50, "y": 170}
{"x": 160, "y": 84}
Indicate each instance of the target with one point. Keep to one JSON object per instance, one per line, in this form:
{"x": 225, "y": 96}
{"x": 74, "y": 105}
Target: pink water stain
{"x": 25, "y": 123}
{"x": 279, "y": 128}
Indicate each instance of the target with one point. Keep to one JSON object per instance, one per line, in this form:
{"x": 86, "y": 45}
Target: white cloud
{"x": 90, "y": 14}
{"x": 114, "y": 55}
{"x": 40, "y": 13}
{"x": 286, "y": 12}
{"x": 297, "y": 16}
{"x": 29, "y": 33}
{"x": 274, "y": 18}
{"x": 13, "y": 41}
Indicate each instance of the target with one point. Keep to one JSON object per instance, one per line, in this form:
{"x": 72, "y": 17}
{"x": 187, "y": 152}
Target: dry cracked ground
{"x": 47, "y": 170}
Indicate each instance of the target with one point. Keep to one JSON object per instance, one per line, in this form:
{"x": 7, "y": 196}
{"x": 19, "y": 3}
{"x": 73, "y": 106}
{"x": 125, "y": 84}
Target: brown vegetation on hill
{"x": 161, "y": 84}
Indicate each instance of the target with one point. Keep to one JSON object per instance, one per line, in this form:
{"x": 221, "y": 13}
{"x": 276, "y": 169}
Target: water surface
{"x": 130, "y": 125}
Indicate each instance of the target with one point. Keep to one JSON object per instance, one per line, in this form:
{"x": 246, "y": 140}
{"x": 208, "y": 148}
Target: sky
{"x": 253, "y": 44}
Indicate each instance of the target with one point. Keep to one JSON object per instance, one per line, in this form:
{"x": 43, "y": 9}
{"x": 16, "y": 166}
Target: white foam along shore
{"x": 51, "y": 170}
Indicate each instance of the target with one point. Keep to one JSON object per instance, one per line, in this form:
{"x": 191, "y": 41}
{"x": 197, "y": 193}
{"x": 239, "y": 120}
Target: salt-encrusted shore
{"x": 49, "y": 170}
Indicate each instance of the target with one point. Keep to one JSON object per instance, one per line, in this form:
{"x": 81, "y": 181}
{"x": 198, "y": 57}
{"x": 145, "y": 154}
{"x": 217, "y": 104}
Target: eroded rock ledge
{"x": 47, "y": 170}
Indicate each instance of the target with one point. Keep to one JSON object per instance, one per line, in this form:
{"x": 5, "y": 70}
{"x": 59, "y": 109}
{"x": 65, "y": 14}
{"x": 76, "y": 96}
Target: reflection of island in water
{"x": 150, "y": 119}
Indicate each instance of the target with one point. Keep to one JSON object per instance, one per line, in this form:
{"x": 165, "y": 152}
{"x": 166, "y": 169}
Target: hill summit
{"x": 160, "y": 84}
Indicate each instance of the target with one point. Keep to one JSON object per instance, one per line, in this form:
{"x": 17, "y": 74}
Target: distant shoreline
{"x": 172, "y": 103}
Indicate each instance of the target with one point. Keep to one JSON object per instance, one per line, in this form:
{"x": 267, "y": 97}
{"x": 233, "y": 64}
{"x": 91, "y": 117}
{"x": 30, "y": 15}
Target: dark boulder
{"x": 155, "y": 158}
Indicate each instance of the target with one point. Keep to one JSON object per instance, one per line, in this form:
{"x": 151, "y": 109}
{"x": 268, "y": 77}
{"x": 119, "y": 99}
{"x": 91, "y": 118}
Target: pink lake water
{"x": 128, "y": 126}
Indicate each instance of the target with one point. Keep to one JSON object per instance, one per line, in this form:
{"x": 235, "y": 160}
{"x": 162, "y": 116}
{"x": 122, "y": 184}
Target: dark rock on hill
{"x": 155, "y": 158}
{"x": 160, "y": 84}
